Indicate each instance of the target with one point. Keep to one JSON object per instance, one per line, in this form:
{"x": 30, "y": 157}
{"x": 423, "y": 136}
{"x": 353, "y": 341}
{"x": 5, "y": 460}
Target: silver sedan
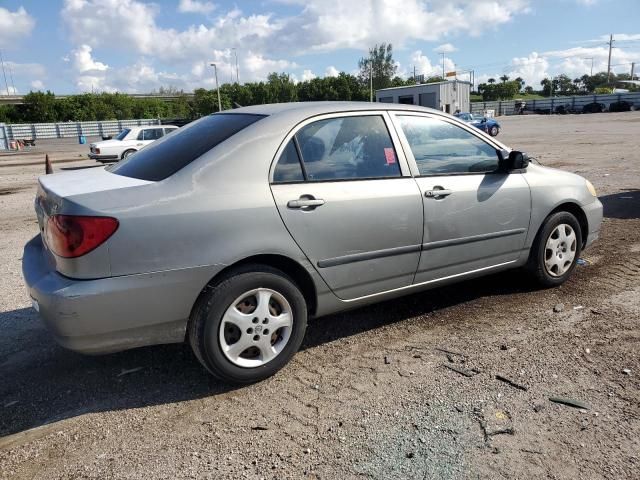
{"x": 232, "y": 231}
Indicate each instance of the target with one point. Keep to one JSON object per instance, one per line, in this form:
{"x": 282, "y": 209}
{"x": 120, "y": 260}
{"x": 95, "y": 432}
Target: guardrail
{"x": 37, "y": 131}
{"x": 547, "y": 105}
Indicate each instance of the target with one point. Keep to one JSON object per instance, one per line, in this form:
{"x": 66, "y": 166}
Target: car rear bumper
{"x": 111, "y": 314}
{"x": 103, "y": 158}
{"x": 593, "y": 212}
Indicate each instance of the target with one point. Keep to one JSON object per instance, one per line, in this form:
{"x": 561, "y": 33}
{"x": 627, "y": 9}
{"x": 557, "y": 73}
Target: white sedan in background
{"x": 128, "y": 141}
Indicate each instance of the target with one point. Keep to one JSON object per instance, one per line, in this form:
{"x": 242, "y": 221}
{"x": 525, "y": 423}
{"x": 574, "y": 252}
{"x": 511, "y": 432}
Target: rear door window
{"x": 346, "y": 148}
{"x": 288, "y": 169}
{"x": 161, "y": 159}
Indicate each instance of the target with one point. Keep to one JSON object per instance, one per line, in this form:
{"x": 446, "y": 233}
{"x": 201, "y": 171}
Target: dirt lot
{"x": 368, "y": 395}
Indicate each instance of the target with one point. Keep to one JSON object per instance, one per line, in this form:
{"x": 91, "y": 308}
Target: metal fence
{"x": 549, "y": 105}
{"x": 36, "y": 131}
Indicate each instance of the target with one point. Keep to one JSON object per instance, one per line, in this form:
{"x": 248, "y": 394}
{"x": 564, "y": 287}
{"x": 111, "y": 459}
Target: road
{"x": 370, "y": 394}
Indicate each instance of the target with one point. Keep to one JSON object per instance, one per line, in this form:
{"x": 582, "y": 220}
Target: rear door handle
{"x": 305, "y": 203}
{"x": 438, "y": 192}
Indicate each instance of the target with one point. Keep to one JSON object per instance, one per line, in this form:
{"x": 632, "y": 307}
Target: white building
{"x": 445, "y": 96}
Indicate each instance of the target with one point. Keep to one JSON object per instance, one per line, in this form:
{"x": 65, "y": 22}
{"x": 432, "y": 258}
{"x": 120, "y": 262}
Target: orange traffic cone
{"x": 47, "y": 165}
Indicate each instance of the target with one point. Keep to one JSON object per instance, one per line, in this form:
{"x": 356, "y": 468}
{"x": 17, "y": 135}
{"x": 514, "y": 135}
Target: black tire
{"x": 126, "y": 153}
{"x": 536, "y": 264}
{"x": 493, "y": 131}
{"x": 206, "y": 319}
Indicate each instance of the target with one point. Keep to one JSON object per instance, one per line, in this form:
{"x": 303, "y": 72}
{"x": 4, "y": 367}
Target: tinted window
{"x": 288, "y": 168}
{"x": 122, "y": 134}
{"x": 162, "y": 159}
{"x": 167, "y": 131}
{"x": 153, "y": 133}
{"x": 443, "y": 148}
{"x": 347, "y": 148}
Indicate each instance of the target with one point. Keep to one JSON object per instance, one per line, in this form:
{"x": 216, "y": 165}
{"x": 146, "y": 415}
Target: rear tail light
{"x": 72, "y": 236}
{"x": 96, "y": 150}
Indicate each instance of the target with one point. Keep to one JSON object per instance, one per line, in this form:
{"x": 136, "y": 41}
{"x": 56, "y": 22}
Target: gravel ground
{"x": 370, "y": 394}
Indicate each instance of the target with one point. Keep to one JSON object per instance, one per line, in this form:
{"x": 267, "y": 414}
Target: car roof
{"x": 320, "y": 108}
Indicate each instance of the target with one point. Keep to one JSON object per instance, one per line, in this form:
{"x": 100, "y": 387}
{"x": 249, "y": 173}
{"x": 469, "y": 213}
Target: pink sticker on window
{"x": 390, "y": 155}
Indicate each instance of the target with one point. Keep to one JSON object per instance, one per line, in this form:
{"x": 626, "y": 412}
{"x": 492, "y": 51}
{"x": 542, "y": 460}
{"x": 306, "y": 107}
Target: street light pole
{"x": 590, "y": 58}
{"x": 215, "y": 71}
{"x": 235, "y": 52}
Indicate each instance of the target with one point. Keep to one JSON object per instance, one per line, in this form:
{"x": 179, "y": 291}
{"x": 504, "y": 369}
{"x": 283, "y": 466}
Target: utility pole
{"x": 235, "y": 51}
{"x": 633, "y": 66}
{"x": 414, "y": 74}
{"x": 371, "y": 80}
{"x": 590, "y": 58}
{"x": 215, "y": 71}
{"x": 609, "y": 62}
{"x": 4, "y": 73}
{"x": 442, "y": 53}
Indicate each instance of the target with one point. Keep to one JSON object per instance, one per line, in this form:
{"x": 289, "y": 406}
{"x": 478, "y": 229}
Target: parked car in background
{"x": 128, "y": 141}
{"x": 621, "y": 106}
{"x": 594, "y": 107}
{"x": 485, "y": 124}
{"x": 231, "y": 232}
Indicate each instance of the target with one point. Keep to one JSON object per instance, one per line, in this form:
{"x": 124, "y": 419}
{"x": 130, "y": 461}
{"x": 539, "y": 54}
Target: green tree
{"x": 39, "y": 107}
{"x": 379, "y": 65}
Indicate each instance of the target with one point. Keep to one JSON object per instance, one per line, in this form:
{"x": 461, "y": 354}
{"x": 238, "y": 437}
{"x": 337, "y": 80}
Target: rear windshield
{"x": 163, "y": 158}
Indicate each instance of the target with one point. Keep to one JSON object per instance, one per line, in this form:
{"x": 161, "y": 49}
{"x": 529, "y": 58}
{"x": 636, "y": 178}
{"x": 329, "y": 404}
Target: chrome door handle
{"x": 437, "y": 193}
{"x": 305, "y": 203}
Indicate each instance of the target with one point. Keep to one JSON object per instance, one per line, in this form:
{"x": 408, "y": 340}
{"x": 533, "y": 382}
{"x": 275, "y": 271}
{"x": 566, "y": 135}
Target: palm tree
{"x": 491, "y": 80}
{"x": 504, "y": 78}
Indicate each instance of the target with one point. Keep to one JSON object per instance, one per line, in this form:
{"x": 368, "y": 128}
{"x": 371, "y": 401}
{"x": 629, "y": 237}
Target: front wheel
{"x": 248, "y": 325}
{"x": 555, "y": 250}
{"x": 494, "y": 130}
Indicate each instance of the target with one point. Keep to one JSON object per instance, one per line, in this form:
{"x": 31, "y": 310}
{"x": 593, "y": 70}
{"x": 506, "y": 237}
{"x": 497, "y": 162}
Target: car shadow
{"x": 624, "y": 205}
{"x": 42, "y": 383}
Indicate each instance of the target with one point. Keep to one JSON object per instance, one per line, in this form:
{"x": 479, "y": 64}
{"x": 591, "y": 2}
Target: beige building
{"x": 445, "y": 96}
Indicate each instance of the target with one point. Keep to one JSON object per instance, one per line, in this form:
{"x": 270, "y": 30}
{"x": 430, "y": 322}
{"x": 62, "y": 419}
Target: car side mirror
{"x": 514, "y": 160}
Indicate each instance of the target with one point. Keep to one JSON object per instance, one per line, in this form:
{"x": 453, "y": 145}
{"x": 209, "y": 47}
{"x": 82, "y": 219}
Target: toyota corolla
{"x": 232, "y": 232}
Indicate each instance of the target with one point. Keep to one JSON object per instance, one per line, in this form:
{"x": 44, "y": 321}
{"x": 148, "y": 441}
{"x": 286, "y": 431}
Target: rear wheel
{"x": 247, "y": 326}
{"x": 127, "y": 153}
{"x": 493, "y": 131}
{"x": 556, "y": 249}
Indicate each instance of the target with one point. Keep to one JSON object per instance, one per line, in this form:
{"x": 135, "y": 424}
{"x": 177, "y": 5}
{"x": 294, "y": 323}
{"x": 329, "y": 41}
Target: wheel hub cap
{"x": 560, "y": 250}
{"x": 255, "y": 328}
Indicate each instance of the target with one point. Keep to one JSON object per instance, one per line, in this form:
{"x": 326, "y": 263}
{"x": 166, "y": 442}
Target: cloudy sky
{"x": 138, "y": 45}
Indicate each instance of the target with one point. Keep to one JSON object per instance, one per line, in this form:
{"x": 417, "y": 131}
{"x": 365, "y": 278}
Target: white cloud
{"x": 14, "y": 25}
{"x": 83, "y": 60}
{"x": 195, "y": 6}
{"x": 307, "y": 75}
{"x": 446, "y": 48}
{"x": 425, "y": 67}
{"x": 264, "y": 40}
{"x": 37, "y": 85}
{"x": 259, "y": 66}
{"x": 331, "y": 71}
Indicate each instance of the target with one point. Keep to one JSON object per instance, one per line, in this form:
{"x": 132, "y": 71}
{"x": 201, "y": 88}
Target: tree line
{"x": 376, "y": 70}
{"x": 560, "y": 85}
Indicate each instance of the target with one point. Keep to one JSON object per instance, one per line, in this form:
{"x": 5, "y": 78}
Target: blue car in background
{"x": 489, "y": 125}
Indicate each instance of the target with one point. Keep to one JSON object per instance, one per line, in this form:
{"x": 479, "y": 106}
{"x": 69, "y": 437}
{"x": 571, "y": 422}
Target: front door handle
{"x": 306, "y": 202}
{"x": 437, "y": 192}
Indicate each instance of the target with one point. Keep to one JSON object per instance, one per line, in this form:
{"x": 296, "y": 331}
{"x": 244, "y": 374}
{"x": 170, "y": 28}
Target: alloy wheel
{"x": 256, "y": 328}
